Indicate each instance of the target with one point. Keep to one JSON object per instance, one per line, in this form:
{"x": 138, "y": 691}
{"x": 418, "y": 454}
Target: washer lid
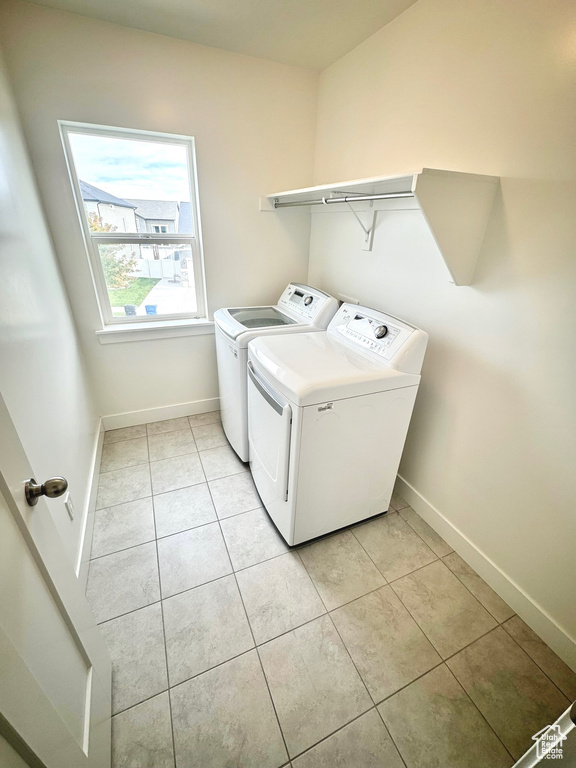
{"x": 300, "y": 308}
{"x": 241, "y": 320}
{"x": 259, "y": 317}
{"x": 311, "y": 368}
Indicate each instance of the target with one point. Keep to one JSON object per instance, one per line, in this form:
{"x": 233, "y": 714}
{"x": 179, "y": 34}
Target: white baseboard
{"x": 528, "y": 609}
{"x": 132, "y": 418}
{"x": 86, "y": 538}
{"x": 116, "y": 421}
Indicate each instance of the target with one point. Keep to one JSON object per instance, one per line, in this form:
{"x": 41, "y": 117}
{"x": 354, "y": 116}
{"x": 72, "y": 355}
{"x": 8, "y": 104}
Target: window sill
{"x": 161, "y": 329}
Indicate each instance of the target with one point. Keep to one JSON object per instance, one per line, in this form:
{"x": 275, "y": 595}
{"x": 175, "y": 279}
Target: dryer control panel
{"x": 372, "y": 331}
{"x": 308, "y": 303}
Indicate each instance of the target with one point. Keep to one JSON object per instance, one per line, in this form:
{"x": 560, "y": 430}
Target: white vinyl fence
{"x": 158, "y": 268}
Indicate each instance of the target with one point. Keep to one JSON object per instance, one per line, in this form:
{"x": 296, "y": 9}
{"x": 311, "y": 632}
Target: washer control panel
{"x": 370, "y": 330}
{"x": 307, "y": 302}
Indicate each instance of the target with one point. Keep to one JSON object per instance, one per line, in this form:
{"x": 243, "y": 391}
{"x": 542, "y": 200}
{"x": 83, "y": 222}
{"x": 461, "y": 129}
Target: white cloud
{"x": 149, "y": 170}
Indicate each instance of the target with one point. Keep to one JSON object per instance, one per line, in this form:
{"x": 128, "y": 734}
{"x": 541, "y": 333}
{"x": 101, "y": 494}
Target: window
{"x": 137, "y": 200}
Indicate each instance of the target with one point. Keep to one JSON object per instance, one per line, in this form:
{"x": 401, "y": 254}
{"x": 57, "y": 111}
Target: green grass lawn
{"x": 134, "y": 294}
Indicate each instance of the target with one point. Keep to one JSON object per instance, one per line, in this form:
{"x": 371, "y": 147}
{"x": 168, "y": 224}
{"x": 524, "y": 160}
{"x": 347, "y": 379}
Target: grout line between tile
{"x": 185, "y": 530}
{"x": 472, "y": 593}
{"x": 391, "y": 737}
{"x": 440, "y": 664}
{"x": 292, "y": 629}
{"x": 164, "y": 638}
{"x": 441, "y": 558}
{"x": 466, "y": 588}
{"x": 420, "y": 568}
{"x": 426, "y": 634}
{"x": 212, "y": 447}
{"x": 176, "y": 455}
{"x": 351, "y": 659}
{"x": 534, "y": 660}
{"x": 273, "y": 704}
{"x": 340, "y": 728}
{"x": 193, "y": 436}
{"x": 336, "y": 629}
{"x": 267, "y": 560}
{"x": 123, "y": 549}
{"x": 374, "y": 706}
{"x": 119, "y": 504}
{"x": 166, "y": 431}
{"x": 369, "y": 556}
{"x": 233, "y": 571}
{"x": 422, "y": 537}
{"x": 127, "y": 613}
{"x": 470, "y": 643}
{"x": 124, "y": 439}
{"x": 397, "y": 509}
{"x": 359, "y": 597}
{"x": 391, "y": 581}
{"x": 236, "y": 514}
{"x": 328, "y": 613}
{"x": 167, "y": 597}
{"x": 338, "y": 532}
{"x": 482, "y": 715}
{"x": 293, "y": 549}
{"x": 215, "y": 666}
{"x": 119, "y": 469}
{"x": 137, "y": 704}
{"x": 253, "y": 638}
{"x": 391, "y": 695}
{"x": 218, "y": 420}
{"x": 360, "y": 524}
{"x": 154, "y": 602}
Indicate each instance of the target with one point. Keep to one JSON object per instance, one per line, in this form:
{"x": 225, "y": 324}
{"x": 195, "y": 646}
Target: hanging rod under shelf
{"x": 345, "y": 199}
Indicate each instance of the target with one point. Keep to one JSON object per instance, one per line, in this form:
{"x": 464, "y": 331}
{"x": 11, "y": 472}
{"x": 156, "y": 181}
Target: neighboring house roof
{"x": 156, "y": 209}
{"x": 185, "y": 223}
{"x": 93, "y": 194}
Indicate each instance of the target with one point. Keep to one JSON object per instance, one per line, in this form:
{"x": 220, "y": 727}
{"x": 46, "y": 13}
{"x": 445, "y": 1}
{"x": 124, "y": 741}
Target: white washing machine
{"x": 328, "y": 415}
{"x": 300, "y": 309}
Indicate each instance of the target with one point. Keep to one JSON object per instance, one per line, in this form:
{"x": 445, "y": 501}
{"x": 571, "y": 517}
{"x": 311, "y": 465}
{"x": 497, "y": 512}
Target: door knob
{"x": 52, "y": 488}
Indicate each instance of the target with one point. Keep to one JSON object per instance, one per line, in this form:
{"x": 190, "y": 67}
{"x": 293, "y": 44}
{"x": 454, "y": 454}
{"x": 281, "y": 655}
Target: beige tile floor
{"x": 376, "y": 647}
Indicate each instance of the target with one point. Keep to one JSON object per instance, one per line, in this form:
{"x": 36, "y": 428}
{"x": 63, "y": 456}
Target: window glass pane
{"x": 132, "y": 185}
{"x": 151, "y": 279}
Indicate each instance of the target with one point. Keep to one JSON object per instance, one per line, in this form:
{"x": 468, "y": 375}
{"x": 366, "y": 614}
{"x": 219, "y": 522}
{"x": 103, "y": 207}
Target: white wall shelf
{"x": 456, "y": 206}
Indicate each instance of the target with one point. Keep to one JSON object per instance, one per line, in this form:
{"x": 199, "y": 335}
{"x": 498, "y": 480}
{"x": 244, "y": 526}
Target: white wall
{"x": 42, "y": 377}
{"x": 484, "y": 86}
{"x": 123, "y": 219}
{"x": 254, "y": 124}
{"x": 8, "y": 757}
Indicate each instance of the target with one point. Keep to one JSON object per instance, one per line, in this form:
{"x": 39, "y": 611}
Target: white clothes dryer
{"x": 300, "y": 309}
{"x": 328, "y": 415}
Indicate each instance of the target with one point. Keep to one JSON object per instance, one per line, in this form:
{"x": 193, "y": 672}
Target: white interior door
{"x": 55, "y": 672}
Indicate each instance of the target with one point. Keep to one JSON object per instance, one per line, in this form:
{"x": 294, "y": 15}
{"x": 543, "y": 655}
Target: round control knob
{"x": 308, "y": 301}
{"x": 380, "y": 331}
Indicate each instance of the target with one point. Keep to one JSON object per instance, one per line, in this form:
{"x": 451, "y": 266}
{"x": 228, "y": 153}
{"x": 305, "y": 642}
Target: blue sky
{"x": 148, "y": 170}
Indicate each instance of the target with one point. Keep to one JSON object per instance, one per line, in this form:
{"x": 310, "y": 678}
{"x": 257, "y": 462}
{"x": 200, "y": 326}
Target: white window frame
{"x": 92, "y": 240}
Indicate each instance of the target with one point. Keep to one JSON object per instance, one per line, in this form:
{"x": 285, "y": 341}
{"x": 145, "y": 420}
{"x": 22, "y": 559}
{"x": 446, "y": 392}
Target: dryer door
{"x": 269, "y": 425}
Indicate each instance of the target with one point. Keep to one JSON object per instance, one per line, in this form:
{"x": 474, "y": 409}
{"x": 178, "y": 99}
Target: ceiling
{"x": 305, "y": 33}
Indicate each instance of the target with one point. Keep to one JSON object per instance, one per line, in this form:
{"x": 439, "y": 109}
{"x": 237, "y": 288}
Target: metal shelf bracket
{"x": 368, "y": 233}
